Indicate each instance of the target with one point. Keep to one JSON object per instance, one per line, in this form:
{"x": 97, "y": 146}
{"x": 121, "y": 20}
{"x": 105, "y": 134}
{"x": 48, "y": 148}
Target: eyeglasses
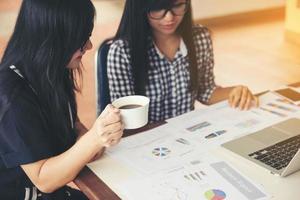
{"x": 177, "y": 10}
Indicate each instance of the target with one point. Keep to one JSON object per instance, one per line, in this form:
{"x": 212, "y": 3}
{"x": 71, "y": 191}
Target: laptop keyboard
{"x": 280, "y": 154}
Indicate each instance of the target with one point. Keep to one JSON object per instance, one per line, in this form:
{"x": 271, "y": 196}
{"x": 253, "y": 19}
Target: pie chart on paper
{"x": 215, "y": 195}
{"x": 161, "y": 151}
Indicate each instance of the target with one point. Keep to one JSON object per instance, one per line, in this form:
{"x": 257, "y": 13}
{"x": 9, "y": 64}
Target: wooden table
{"x": 94, "y": 188}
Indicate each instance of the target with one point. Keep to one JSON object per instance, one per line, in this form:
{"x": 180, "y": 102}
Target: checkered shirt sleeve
{"x": 205, "y": 61}
{"x": 119, "y": 73}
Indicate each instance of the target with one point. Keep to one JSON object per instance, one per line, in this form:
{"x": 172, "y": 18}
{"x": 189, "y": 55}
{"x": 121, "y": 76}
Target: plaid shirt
{"x": 169, "y": 81}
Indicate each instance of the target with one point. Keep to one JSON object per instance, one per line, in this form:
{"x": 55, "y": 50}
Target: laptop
{"x": 275, "y": 148}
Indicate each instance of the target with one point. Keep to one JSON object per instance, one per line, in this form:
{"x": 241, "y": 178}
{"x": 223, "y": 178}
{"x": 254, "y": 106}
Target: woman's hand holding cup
{"x": 109, "y": 126}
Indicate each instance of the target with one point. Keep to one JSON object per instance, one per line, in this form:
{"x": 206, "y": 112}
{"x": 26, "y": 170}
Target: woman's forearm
{"x": 53, "y": 173}
{"x": 80, "y": 128}
{"x": 220, "y": 94}
{"x": 238, "y": 97}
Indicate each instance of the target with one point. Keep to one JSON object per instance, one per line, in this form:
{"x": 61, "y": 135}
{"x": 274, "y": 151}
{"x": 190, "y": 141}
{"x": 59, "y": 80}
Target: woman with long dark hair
{"x": 160, "y": 53}
{"x": 43, "y": 145}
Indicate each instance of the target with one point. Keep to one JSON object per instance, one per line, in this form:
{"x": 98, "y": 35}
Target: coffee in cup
{"x": 130, "y": 106}
{"x": 134, "y": 110}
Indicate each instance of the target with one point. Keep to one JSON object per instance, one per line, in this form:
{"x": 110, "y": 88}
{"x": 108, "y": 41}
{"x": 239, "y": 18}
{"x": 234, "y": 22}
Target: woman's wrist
{"x": 94, "y": 140}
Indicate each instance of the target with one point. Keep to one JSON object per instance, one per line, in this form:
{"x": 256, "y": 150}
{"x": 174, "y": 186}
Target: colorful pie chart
{"x": 215, "y": 194}
{"x": 161, "y": 151}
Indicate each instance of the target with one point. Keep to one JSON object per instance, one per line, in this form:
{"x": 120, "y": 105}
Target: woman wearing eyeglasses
{"x": 160, "y": 53}
{"x": 43, "y": 145}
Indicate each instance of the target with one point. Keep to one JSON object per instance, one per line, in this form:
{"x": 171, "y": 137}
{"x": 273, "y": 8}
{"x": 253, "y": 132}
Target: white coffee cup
{"x": 134, "y": 110}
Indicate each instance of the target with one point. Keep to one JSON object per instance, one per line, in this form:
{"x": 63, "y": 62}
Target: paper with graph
{"x": 196, "y": 181}
{"x": 220, "y": 123}
{"x": 169, "y": 166}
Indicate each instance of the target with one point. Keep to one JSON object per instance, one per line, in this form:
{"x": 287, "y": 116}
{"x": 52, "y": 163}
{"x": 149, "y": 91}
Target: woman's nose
{"x": 169, "y": 16}
{"x": 89, "y": 45}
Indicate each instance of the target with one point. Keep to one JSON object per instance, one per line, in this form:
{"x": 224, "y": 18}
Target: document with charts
{"x": 219, "y": 123}
{"x": 154, "y": 150}
{"x": 195, "y": 181}
{"x": 169, "y": 167}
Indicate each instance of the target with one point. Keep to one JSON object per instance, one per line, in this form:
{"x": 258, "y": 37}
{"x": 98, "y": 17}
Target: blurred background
{"x": 256, "y": 42}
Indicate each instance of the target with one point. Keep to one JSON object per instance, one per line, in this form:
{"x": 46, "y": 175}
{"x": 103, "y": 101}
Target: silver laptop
{"x": 275, "y": 148}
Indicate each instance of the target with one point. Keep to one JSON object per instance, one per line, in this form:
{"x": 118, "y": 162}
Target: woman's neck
{"x": 160, "y": 38}
{"x": 167, "y": 44}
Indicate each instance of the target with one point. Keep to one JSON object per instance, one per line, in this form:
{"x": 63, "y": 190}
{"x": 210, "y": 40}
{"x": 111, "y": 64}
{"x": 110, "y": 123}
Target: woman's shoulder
{"x": 200, "y": 31}
{"x": 202, "y": 38}
{"x": 12, "y": 90}
{"x": 118, "y": 52}
{"x": 9, "y": 83}
{"x": 119, "y": 44}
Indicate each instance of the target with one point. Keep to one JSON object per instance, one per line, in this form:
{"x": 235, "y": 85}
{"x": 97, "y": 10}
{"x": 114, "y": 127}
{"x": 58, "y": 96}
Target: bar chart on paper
{"x": 202, "y": 181}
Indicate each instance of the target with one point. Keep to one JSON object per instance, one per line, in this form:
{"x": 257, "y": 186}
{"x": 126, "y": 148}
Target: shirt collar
{"x": 182, "y": 49}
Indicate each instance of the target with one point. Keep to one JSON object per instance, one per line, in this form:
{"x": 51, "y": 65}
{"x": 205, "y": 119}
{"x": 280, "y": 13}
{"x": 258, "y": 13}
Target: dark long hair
{"x": 46, "y": 35}
{"x": 135, "y": 29}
